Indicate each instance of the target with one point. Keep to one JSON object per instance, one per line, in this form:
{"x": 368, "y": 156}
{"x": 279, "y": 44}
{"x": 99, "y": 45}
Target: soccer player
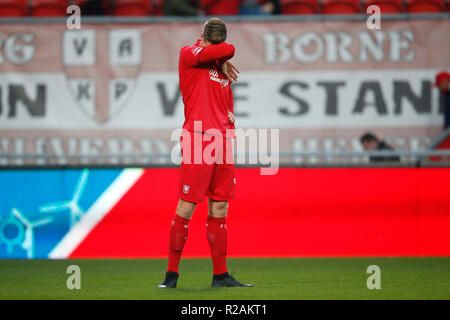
{"x": 205, "y": 74}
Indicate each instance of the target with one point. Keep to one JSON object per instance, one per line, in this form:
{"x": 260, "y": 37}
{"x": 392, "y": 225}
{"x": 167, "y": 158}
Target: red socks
{"x": 177, "y": 238}
{"x": 216, "y": 231}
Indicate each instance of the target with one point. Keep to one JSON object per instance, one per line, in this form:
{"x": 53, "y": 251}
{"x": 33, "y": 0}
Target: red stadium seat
{"x": 145, "y": 7}
{"x": 386, "y": 6}
{"x": 79, "y": 3}
{"x": 425, "y": 6}
{"x": 13, "y": 8}
{"x": 131, "y": 7}
{"x": 48, "y": 8}
{"x": 221, "y": 7}
{"x": 341, "y": 7}
{"x": 299, "y": 6}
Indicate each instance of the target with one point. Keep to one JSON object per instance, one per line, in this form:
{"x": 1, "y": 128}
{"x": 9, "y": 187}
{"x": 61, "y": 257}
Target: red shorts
{"x": 207, "y": 168}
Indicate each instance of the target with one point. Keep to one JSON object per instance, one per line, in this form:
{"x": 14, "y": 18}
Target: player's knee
{"x": 185, "y": 209}
{"x": 185, "y": 213}
{"x": 219, "y": 209}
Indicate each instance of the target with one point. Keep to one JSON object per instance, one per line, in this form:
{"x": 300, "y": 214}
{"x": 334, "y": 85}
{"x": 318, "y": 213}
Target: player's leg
{"x": 193, "y": 185}
{"x": 221, "y": 190}
{"x": 217, "y": 234}
{"x": 178, "y": 235}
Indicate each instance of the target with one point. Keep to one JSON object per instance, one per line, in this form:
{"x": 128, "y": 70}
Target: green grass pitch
{"x": 299, "y": 278}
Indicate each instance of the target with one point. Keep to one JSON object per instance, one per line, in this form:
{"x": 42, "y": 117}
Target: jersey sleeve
{"x": 197, "y": 55}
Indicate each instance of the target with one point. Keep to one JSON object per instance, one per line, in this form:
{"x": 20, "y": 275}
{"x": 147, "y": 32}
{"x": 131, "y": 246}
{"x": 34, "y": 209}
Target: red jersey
{"x": 206, "y": 91}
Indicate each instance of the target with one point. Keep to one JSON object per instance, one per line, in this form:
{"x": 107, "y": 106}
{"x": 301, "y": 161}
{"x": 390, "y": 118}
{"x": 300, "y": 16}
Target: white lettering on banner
{"x": 17, "y": 48}
{"x": 372, "y": 45}
{"x": 276, "y": 47}
{"x": 400, "y": 46}
{"x": 336, "y": 47}
{"x": 307, "y": 40}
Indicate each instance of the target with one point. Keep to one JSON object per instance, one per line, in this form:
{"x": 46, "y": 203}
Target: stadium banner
{"x": 113, "y": 88}
{"x": 126, "y": 213}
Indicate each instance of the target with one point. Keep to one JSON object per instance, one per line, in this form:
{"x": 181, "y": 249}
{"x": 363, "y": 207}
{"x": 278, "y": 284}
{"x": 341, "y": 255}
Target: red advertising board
{"x": 300, "y": 212}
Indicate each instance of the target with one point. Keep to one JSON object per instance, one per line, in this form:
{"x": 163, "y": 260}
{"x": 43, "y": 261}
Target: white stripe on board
{"x": 96, "y": 212}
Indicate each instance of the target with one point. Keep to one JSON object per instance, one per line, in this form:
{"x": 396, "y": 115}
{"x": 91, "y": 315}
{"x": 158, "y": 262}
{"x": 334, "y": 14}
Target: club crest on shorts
{"x": 101, "y": 69}
{"x": 186, "y": 189}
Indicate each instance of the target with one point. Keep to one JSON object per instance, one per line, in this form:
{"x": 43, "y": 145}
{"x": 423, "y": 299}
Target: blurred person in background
{"x": 260, "y": 7}
{"x": 442, "y": 82}
{"x": 182, "y": 8}
{"x": 92, "y": 8}
{"x": 370, "y": 142}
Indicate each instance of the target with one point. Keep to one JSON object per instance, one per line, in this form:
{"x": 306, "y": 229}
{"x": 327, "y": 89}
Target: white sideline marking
{"x": 96, "y": 212}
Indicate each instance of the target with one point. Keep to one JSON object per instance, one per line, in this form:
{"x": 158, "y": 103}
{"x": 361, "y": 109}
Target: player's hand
{"x": 230, "y": 71}
{"x": 231, "y": 117}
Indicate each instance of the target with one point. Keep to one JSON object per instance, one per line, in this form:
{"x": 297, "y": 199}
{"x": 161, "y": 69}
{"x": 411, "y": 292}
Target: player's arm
{"x": 229, "y": 70}
{"x": 221, "y": 52}
{"x": 231, "y": 117}
{"x": 203, "y": 55}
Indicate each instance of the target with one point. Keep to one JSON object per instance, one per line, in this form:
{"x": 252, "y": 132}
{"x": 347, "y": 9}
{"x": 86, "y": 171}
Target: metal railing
{"x": 319, "y": 158}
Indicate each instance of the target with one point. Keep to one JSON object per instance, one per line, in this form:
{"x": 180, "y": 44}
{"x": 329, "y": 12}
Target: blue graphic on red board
{"x": 39, "y": 207}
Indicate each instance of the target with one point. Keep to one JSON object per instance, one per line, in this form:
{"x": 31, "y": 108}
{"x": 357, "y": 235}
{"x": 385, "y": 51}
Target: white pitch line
{"x": 96, "y": 212}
